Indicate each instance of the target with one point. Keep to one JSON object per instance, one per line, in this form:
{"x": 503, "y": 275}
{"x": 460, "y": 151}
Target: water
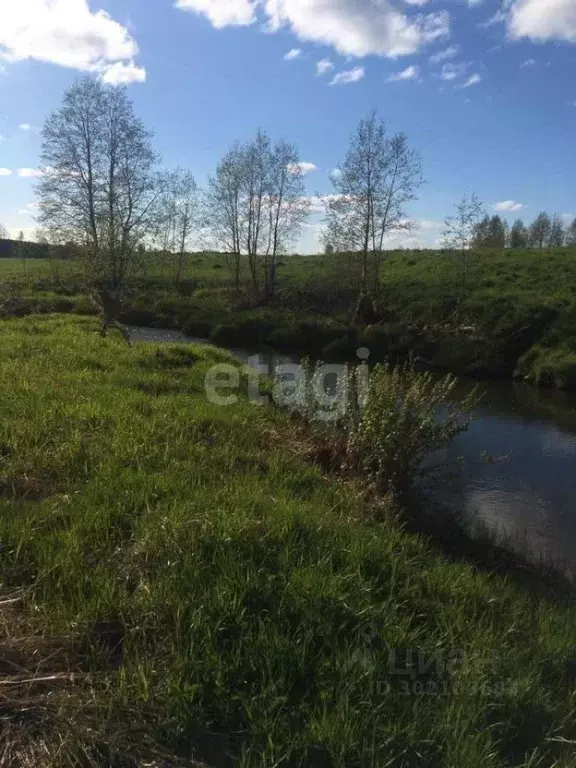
{"x": 519, "y": 476}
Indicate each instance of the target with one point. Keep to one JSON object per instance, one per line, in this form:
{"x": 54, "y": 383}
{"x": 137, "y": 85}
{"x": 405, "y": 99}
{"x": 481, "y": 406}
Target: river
{"x": 519, "y": 471}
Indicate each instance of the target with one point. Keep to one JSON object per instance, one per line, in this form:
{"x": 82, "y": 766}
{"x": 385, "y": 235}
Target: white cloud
{"x": 452, "y": 71}
{"x": 25, "y": 126}
{"x": 348, "y": 76}
{"x": 318, "y": 203}
{"x": 472, "y": 80}
{"x": 336, "y": 173}
{"x": 222, "y": 13}
{"x": 123, "y": 73}
{"x": 353, "y": 27}
{"x": 543, "y": 20}
{"x": 528, "y": 63}
{"x": 5, "y": 172}
{"x": 447, "y": 53}
{"x": 293, "y": 54}
{"x": 323, "y": 66}
{"x": 63, "y": 32}
{"x": 497, "y": 18}
{"x": 507, "y": 206}
{"x": 30, "y": 173}
{"x": 416, "y": 2}
{"x": 410, "y": 73}
{"x": 302, "y": 168}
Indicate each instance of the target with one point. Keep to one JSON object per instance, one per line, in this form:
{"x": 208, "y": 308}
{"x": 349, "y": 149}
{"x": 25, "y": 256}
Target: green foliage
{"x": 406, "y": 418}
{"x": 256, "y": 599}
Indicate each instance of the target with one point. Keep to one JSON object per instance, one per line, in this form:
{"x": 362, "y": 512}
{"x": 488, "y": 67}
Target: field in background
{"x": 506, "y": 314}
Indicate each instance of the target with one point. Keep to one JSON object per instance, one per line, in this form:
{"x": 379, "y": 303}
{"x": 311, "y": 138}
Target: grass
{"x": 222, "y": 600}
{"x": 517, "y": 307}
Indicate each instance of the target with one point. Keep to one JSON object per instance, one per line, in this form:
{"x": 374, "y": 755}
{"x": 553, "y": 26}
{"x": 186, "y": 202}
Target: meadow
{"x": 186, "y": 584}
{"x": 501, "y": 314}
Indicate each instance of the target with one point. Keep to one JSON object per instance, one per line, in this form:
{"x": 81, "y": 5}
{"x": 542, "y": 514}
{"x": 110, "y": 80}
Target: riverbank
{"x": 220, "y": 598}
{"x": 500, "y": 315}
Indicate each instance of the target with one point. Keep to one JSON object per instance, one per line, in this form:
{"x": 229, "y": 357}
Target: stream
{"x": 519, "y": 473}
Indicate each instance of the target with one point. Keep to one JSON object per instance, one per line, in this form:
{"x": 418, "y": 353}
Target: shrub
{"x": 404, "y": 418}
{"x": 385, "y": 423}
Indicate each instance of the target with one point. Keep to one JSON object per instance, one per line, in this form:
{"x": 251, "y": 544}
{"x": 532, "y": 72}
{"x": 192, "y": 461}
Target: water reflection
{"x": 520, "y": 462}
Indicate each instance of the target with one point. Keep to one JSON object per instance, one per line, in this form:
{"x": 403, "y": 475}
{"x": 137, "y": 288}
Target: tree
{"x": 329, "y": 249}
{"x": 287, "y": 207}
{"x": 459, "y": 237}
{"x": 222, "y": 207}
{"x": 482, "y": 232}
{"x": 179, "y": 214}
{"x": 22, "y": 251}
{"x": 490, "y": 233}
{"x": 557, "y": 233}
{"x": 571, "y": 235}
{"x": 3, "y": 232}
{"x": 540, "y": 231}
{"x": 256, "y": 205}
{"x": 99, "y": 185}
{"x": 379, "y": 176}
{"x": 519, "y": 235}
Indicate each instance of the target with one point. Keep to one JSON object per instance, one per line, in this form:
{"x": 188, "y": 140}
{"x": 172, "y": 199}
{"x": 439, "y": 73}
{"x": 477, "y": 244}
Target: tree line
{"x": 103, "y": 189}
{"x": 544, "y": 232}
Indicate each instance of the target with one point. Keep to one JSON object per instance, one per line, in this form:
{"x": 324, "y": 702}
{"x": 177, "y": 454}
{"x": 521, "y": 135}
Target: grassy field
{"x": 510, "y": 314}
{"x": 189, "y": 588}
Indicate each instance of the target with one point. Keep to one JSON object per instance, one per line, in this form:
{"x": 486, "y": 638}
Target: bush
{"x": 405, "y": 418}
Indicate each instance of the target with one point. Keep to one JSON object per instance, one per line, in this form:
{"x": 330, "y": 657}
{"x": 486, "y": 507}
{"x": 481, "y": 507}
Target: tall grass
{"x": 221, "y": 599}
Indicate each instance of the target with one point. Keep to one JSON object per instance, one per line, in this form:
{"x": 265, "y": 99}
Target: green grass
{"x": 254, "y": 601}
{"x": 519, "y": 307}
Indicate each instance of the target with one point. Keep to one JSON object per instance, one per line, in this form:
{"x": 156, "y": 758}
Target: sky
{"x": 484, "y": 89}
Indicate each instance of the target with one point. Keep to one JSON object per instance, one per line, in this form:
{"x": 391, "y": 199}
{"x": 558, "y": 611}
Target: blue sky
{"x": 485, "y": 90}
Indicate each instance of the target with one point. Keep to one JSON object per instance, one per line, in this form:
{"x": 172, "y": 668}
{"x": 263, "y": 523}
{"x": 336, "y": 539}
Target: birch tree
{"x": 98, "y": 187}
{"x": 222, "y": 215}
{"x": 256, "y": 205}
{"x": 179, "y": 215}
{"x": 377, "y": 180}
{"x": 459, "y": 237}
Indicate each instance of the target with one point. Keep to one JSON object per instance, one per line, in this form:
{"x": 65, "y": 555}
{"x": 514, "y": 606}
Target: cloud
{"x": 354, "y": 28}
{"x": 63, "y": 32}
{"x": 29, "y": 210}
{"x": 222, "y": 13}
{"x": 497, "y": 18}
{"x": 542, "y": 20}
{"x": 323, "y": 66}
{"x": 452, "y": 71}
{"x": 348, "y": 76}
{"x": 25, "y": 126}
{"x": 472, "y": 80}
{"x": 416, "y": 2}
{"x": 410, "y": 73}
{"x": 508, "y": 206}
{"x": 5, "y": 172}
{"x": 123, "y": 73}
{"x": 302, "y": 168}
{"x": 318, "y": 203}
{"x": 528, "y": 63}
{"x": 293, "y": 54}
{"x": 447, "y": 53}
{"x": 336, "y": 173}
{"x": 30, "y": 173}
